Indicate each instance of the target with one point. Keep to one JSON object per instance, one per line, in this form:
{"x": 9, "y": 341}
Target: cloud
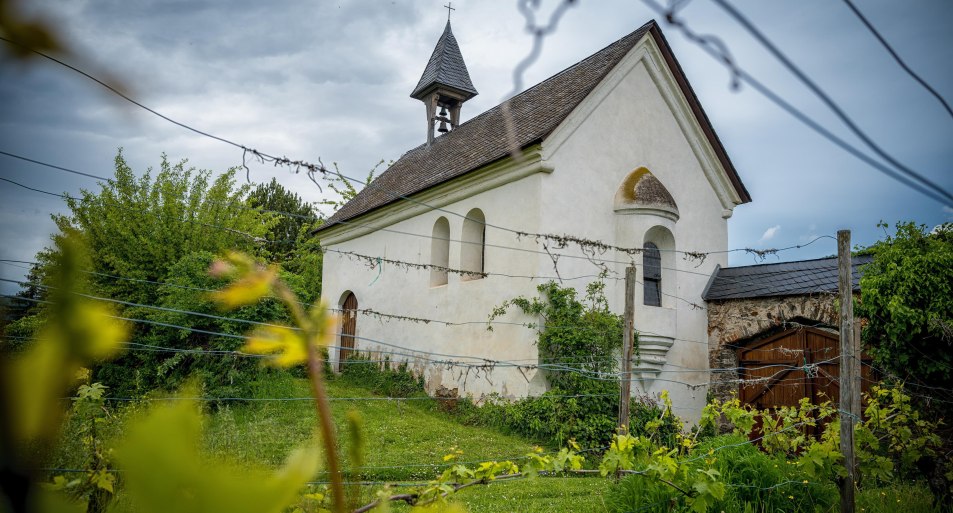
{"x": 769, "y": 233}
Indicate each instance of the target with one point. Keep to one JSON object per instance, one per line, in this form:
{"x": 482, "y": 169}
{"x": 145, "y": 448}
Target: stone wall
{"x": 735, "y": 320}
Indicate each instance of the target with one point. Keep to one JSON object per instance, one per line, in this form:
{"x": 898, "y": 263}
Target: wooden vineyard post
{"x": 628, "y": 335}
{"x": 848, "y": 370}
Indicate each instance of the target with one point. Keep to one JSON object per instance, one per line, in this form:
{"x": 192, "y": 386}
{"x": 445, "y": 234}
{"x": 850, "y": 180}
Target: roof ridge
{"x": 789, "y": 262}
{"x": 543, "y": 83}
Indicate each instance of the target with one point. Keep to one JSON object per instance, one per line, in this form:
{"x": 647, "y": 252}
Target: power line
{"x": 73, "y": 171}
{"x": 297, "y": 164}
{"x": 591, "y": 258}
{"x": 897, "y": 57}
{"x": 717, "y": 50}
{"x": 831, "y": 104}
{"x": 591, "y": 247}
{"x": 479, "y": 363}
{"x": 369, "y": 312}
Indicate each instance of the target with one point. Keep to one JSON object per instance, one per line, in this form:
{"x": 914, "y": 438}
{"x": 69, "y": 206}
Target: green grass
{"x": 905, "y": 497}
{"x": 540, "y": 495}
{"x": 404, "y": 440}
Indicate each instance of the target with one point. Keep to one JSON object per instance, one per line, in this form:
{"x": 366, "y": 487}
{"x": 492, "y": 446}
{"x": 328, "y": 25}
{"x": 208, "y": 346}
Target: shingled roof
{"x": 445, "y": 67}
{"x": 781, "y": 279}
{"x": 535, "y": 112}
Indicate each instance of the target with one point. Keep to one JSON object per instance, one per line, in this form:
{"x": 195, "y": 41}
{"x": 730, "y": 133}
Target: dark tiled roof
{"x": 782, "y": 279}
{"x": 446, "y": 67}
{"x": 535, "y": 113}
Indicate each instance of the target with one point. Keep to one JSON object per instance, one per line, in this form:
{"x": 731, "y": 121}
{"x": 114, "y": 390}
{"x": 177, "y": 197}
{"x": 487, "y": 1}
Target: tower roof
{"x": 445, "y": 68}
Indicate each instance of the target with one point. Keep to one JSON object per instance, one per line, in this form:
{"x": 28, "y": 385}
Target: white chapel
{"x": 615, "y": 148}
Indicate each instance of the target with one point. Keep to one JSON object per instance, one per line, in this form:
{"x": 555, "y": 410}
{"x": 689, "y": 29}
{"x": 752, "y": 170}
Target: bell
{"x": 443, "y": 127}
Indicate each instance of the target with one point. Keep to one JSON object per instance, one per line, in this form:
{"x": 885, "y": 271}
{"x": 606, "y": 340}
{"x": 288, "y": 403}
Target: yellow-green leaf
{"x": 285, "y": 343}
{"x": 247, "y": 290}
{"x": 164, "y": 471}
{"x": 325, "y": 322}
{"x": 101, "y": 335}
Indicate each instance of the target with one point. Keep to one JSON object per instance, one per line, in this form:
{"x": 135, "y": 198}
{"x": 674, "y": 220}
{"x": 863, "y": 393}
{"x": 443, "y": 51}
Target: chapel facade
{"x": 615, "y": 148}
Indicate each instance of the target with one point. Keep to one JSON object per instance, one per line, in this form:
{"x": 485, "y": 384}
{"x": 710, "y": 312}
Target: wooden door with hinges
{"x": 348, "y": 329}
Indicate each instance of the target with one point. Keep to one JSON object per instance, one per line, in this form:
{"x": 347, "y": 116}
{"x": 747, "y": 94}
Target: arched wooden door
{"x": 781, "y": 369}
{"x": 348, "y": 329}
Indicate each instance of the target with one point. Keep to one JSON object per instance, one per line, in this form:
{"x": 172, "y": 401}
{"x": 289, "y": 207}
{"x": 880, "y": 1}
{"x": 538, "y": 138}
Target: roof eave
{"x": 394, "y": 200}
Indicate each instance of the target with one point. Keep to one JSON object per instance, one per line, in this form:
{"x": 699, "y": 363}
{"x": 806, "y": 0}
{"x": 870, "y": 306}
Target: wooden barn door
{"x": 348, "y": 329}
{"x": 801, "y": 362}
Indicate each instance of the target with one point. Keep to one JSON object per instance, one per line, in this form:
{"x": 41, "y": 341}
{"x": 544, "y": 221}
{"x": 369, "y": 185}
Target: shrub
{"x": 383, "y": 378}
{"x": 754, "y": 481}
{"x": 577, "y": 335}
{"x": 208, "y": 358}
{"x": 553, "y": 419}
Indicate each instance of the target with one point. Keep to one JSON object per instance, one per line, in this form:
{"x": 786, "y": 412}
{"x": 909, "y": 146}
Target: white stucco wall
{"x": 635, "y": 118}
{"x": 627, "y": 123}
{"x": 398, "y": 291}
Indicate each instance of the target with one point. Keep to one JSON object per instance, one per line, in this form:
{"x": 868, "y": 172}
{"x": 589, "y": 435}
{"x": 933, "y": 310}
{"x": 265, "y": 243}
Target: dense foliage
{"x": 751, "y": 480}
{"x": 907, "y": 301}
{"x": 151, "y": 240}
{"x": 382, "y": 377}
{"x": 295, "y": 217}
{"x": 574, "y": 334}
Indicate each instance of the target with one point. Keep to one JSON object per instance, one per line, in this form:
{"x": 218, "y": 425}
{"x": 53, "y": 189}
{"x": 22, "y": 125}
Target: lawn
{"x": 405, "y": 442}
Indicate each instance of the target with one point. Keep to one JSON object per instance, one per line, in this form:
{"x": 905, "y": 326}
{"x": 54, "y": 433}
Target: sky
{"x": 331, "y": 80}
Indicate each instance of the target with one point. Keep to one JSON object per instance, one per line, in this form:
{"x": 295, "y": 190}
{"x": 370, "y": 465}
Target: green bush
{"x": 220, "y": 373}
{"x": 553, "y": 419}
{"x": 754, "y": 481}
{"x": 382, "y": 378}
{"x": 579, "y": 341}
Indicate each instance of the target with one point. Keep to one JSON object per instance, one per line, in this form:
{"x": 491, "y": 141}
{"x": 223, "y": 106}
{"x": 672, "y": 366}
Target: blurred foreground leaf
{"x": 163, "y": 469}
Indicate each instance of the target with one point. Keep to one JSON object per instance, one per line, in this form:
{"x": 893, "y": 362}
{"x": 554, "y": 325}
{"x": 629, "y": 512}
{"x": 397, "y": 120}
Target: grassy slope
{"x": 405, "y": 441}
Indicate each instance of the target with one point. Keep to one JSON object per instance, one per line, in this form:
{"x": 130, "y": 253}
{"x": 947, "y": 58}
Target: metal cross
{"x": 449, "y": 9}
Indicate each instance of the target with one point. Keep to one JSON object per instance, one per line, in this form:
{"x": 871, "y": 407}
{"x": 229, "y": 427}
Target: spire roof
{"x": 445, "y": 68}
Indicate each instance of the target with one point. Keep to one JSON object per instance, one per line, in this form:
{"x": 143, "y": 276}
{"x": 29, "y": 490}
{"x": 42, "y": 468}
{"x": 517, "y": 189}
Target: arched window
{"x": 473, "y": 244}
{"x": 440, "y": 252}
{"x": 652, "y": 275}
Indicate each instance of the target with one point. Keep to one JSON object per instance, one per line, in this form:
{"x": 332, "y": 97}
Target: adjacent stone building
{"x": 790, "y": 308}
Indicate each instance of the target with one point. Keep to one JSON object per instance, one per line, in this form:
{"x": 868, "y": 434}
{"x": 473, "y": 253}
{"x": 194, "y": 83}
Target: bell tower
{"x": 444, "y": 85}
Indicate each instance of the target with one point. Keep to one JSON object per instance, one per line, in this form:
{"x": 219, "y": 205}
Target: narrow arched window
{"x": 472, "y": 251}
{"x": 440, "y": 252}
{"x": 652, "y": 275}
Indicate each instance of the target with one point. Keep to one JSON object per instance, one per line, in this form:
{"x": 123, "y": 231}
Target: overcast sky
{"x": 330, "y": 80}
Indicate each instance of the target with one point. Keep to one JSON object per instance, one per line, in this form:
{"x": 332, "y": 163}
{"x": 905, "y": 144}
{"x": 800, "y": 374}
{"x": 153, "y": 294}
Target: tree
{"x": 151, "y": 240}
{"x": 907, "y": 300}
{"x": 292, "y": 215}
{"x": 138, "y": 228}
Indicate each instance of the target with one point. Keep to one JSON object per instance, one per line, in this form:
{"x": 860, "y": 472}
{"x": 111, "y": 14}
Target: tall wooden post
{"x": 848, "y": 370}
{"x": 628, "y": 336}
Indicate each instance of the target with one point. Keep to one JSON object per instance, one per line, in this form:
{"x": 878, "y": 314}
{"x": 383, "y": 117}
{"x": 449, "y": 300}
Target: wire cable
{"x": 897, "y": 57}
{"x": 831, "y": 104}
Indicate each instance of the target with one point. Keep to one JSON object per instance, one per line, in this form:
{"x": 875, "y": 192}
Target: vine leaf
{"x": 164, "y": 471}
{"x": 254, "y": 282}
{"x": 285, "y": 343}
